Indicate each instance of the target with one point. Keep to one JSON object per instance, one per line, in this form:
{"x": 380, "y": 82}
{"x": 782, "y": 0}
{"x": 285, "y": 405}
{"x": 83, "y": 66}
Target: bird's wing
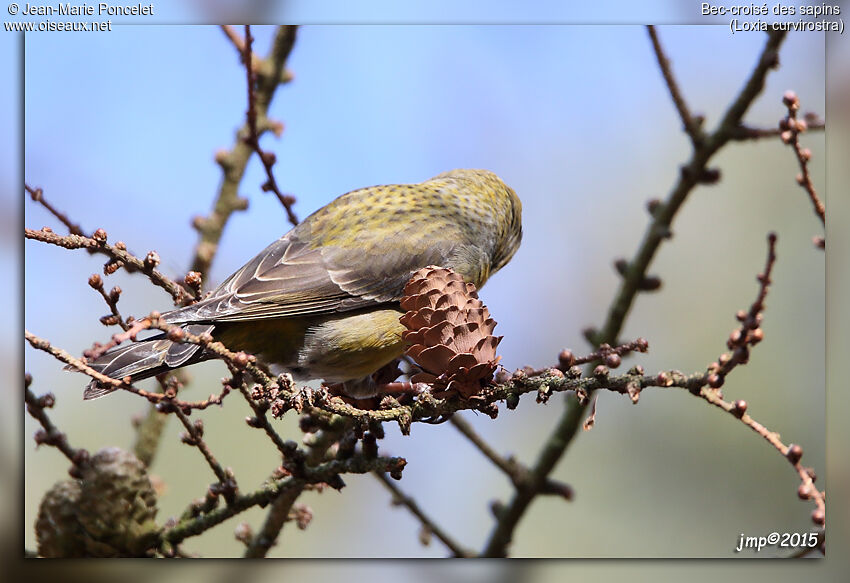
{"x": 290, "y": 279}
{"x": 379, "y": 272}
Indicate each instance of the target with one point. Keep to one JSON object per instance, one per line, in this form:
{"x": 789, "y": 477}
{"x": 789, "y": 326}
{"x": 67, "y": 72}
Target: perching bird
{"x": 322, "y": 302}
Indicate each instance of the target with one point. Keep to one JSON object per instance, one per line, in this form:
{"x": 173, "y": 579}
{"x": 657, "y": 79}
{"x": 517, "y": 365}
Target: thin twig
{"x": 792, "y": 128}
{"x": 111, "y": 299}
{"x": 194, "y": 437}
{"x": 262, "y": 422}
{"x": 149, "y": 431}
{"x": 744, "y": 133}
{"x": 509, "y": 466}
{"x": 791, "y": 452}
{"x": 119, "y": 257}
{"x": 253, "y": 139}
{"x": 296, "y": 463}
{"x": 692, "y": 125}
{"x": 281, "y": 509}
{"x": 271, "y": 74}
{"x": 52, "y": 436}
{"x": 293, "y": 462}
{"x": 749, "y": 333}
{"x": 192, "y": 523}
{"x": 606, "y": 353}
{"x": 428, "y": 524}
{"x": 77, "y": 364}
{"x": 234, "y": 38}
{"x": 38, "y": 196}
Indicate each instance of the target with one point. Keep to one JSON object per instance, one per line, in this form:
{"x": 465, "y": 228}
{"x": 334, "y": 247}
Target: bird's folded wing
{"x": 290, "y": 279}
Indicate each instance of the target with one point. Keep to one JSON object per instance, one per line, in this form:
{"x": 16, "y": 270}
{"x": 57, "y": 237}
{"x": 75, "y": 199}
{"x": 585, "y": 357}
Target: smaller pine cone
{"x": 108, "y": 512}
{"x": 449, "y": 333}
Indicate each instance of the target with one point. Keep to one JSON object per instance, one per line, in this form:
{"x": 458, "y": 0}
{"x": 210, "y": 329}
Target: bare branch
{"x": 119, "y": 257}
{"x": 194, "y": 521}
{"x": 51, "y": 435}
{"x": 750, "y": 332}
{"x": 692, "y": 125}
{"x": 194, "y": 437}
{"x": 38, "y": 196}
{"x": 149, "y": 430}
{"x": 792, "y": 452}
{"x": 267, "y": 158}
{"x": 744, "y": 132}
{"x": 77, "y": 364}
{"x": 111, "y": 299}
{"x": 234, "y": 37}
{"x": 260, "y": 421}
{"x": 271, "y": 74}
{"x": 791, "y": 129}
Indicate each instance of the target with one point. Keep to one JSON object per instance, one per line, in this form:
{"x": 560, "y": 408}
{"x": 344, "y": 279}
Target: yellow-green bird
{"x": 322, "y": 302}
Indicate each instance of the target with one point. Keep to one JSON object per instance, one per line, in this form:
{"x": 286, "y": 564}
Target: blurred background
{"x": 121, "y": 130}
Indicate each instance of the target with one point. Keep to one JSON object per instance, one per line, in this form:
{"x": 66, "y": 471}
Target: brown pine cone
{"x": 450, "y": 333}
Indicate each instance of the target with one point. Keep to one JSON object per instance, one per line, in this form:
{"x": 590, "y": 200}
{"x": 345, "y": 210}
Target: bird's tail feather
{"x": 145, "y": 359}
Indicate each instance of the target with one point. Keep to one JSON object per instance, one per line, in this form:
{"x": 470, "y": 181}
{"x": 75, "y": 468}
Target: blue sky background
{"x": 121, "y": 129}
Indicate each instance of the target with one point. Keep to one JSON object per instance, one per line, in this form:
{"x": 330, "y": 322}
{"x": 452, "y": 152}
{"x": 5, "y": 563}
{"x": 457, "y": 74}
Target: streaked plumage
{"x": 322, "y": 301}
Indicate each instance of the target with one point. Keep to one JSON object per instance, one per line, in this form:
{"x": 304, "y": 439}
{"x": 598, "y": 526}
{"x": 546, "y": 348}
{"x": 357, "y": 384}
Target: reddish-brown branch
{"x": 111, "y": 299}
{"x": 740, "y": 341}
{"x": 50, "y": 434}
{"x": 234, "y": 37}
{"x": 118, "y": 257}
{"x": 38, "y": 196}
{"x": 253, "y": 139}
{"x": 269, "y": 73}
{"x": 261, "y": 421}
{"x": 129, "y": 333}
{"x": 749, "y": 333}
{"x": 195, "y": 437}
{"x": 79, "y": 365}
{"x": 745, "y": 133}
{"x": 610, "y": 355}
{"x": 792, "y": 453}
{"x": 791, "y": 128}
